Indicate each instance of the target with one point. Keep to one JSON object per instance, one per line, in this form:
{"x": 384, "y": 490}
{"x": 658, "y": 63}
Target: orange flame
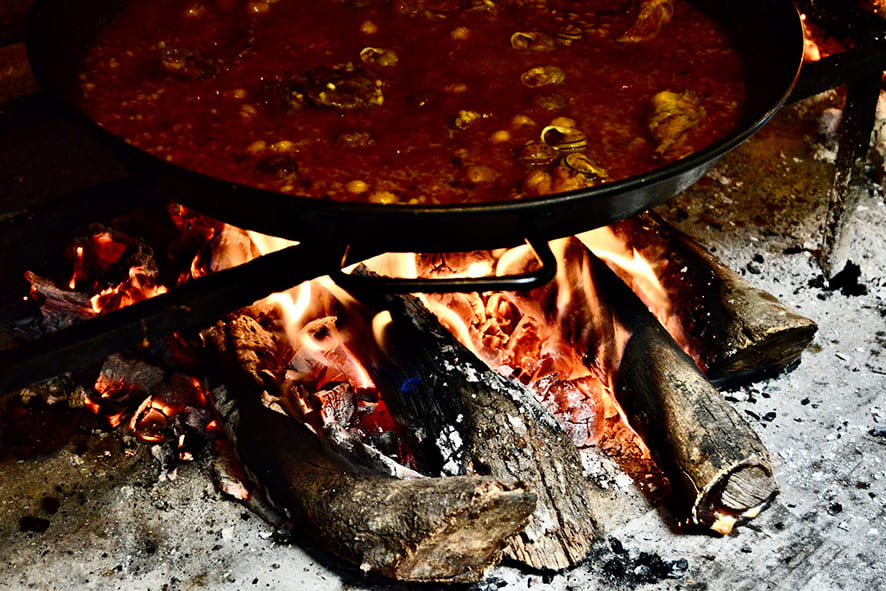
{"x": 140, "y": 286}
{"x": 519, "y": 334}
{"x": 511, "y": 332}
{"x": 522, "y": 337}
{"x": 641, "y": 275}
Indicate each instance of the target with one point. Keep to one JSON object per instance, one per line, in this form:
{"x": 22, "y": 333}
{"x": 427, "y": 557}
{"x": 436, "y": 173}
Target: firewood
{"x": 734, "y": 331}
{"x": 720, "y": 468}
{"x": 701, "y": 442}
{"x": 465, "y": 418}
{"x": 419, "y": 529}
{"x": 59, "y": 307}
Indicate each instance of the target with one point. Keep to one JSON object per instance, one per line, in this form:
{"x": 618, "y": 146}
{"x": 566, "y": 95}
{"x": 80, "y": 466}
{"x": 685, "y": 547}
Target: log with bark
{"x": 734, "y": 331}
{"x": 418, "y": 529}
{"x": 721, "y": 470}
{"x": 461, "y": 417}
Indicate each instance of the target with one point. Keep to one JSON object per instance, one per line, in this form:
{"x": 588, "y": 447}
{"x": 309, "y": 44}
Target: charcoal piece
{"x": 29, "y": 523}
{"x": 847, "y": 281}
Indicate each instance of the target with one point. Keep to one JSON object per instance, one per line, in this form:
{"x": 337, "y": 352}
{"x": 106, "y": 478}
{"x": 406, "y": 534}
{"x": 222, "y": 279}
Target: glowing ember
{"x": 149, "y": 401}
{"x": 150, "y": 420}
{"x": 112, "y": 270}
{"x": 95, "y": 255}
{"x": 116, "y": 269}
{"x": 140, "y": 286}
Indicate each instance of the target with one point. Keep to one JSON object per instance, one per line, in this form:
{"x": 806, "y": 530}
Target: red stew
{"x": 414, "y": 101}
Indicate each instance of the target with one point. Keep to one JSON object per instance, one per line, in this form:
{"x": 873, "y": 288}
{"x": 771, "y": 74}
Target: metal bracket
{"x": 521, "y": 281}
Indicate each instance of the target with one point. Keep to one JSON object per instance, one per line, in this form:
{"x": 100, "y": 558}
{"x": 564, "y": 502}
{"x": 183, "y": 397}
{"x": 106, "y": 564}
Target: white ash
{"x": 518, "y": 425}
{"x": 452, "y": 448}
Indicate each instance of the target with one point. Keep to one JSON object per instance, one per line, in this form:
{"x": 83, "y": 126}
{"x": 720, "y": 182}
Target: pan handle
{"x": 521, "y": 281}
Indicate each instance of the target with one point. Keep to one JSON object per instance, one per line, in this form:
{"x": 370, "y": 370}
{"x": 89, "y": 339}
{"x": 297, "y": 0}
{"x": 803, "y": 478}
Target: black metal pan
{"x": 768, "y": 34}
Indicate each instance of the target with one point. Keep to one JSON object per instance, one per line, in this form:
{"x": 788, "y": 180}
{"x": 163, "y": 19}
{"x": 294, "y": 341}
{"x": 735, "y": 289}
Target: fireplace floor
{"x": 112, "y": 523}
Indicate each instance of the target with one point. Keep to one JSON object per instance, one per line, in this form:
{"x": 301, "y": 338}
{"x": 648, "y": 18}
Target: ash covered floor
{"x": 97, "y": 515}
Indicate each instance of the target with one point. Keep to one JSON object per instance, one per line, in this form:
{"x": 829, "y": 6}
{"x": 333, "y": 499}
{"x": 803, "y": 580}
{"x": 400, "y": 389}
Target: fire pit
{"x": 812, "y": 419}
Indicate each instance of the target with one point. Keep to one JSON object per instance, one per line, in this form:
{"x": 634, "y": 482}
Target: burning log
{"x": 712, "y": 456}
{"x": 734, "y": 331}
{"x": 463, "y": 417}
{"x": 418, "y": 529}
{"x": 695, "y": 436}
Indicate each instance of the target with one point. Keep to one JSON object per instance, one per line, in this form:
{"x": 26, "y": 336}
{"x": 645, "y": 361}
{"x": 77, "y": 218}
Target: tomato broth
{"x": 415, "y": 102}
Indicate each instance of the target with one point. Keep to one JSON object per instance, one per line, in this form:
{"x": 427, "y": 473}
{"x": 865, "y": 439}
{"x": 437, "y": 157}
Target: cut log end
{"x": 709, "y": 451}
{"x": 738, "y": 495}
{"x": 553, "y": 552}
{"x": 768, "y": 339}
{"x": 469, "y": 538}
{"x": 748, "y": 487}
{"x": 424, "y": 530}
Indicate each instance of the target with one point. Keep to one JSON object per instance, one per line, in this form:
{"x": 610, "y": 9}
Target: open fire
{"x": 368, "y": 373}
{"x": 308, "y": 356}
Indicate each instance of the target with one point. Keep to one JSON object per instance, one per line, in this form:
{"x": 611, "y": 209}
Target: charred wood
{"x": 735, "y": 331}
{"x": 703, "y": 444}
{"x": 717, "y": 464}
{"x": 464, "y": 418}
{"x": 418, "y": 529}
{"x": 230, "y": 477}
{"x": 59, "y": 307}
